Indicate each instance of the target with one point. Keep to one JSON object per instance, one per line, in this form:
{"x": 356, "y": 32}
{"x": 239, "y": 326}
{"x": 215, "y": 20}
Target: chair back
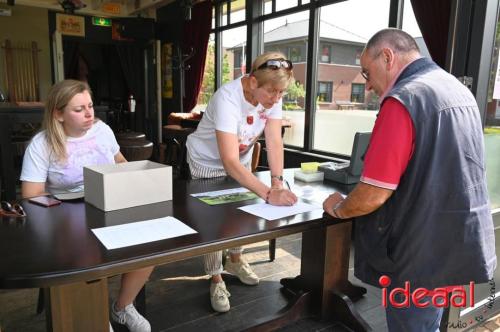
{"x": 255, "y": 156}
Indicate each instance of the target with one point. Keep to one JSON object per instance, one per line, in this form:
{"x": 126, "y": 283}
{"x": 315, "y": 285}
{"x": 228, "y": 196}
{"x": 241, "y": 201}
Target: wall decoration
{"x": 70, "y": 25}
{"x": 167, "y": 85}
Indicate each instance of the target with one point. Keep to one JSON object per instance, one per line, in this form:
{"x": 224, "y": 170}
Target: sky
{"x": 362, "y": 17}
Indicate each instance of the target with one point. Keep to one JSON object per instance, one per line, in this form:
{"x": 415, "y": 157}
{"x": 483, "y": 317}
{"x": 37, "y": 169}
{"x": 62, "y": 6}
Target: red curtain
{"x": 433, "y": 18}
{"x": 196, "y": 33}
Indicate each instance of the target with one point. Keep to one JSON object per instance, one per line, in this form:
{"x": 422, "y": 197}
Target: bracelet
{"x": 267, "y": 195}
{"x": 334, "y": 210}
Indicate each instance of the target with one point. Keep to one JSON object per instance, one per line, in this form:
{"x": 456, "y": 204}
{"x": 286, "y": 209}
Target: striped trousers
{"x": 213, "y": 260}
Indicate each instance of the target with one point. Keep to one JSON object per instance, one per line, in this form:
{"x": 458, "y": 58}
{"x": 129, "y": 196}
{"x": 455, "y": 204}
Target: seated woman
{"x": 53, "y": 163}
{"x": 235, "y": 118}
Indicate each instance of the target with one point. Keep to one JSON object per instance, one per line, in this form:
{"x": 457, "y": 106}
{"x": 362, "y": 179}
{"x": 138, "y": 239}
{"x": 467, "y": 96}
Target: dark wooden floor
{"x": 178, "y": 300}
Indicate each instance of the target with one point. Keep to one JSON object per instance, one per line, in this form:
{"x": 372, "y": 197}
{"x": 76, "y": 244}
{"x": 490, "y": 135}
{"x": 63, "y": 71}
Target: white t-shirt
{"x": 98, "y": 146}
{"x": 230, "y": 112}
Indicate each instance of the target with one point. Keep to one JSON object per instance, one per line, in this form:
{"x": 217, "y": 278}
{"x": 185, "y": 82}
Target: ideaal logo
{"x": 440, "y": 297}
{"x": 420, "y": 296}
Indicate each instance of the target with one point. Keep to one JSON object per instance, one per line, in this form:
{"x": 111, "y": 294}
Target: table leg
{"x": 320, "y": 289}
{"x": 324, "y": 274}
{"x": 81, "y": 306}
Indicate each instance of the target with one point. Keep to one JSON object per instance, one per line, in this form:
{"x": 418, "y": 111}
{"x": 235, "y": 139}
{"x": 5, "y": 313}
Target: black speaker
{"x": 11, "y": 2}
{"x": 137, "y": 28}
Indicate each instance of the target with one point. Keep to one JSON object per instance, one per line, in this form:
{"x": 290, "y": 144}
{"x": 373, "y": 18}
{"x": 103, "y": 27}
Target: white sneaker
{"x": 243, "y": 271}
{"x": 129, "y": 317}
{"x": 219, "y": 297}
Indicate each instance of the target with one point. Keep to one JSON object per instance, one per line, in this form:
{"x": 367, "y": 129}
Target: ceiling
{"x": 106, "y": 8}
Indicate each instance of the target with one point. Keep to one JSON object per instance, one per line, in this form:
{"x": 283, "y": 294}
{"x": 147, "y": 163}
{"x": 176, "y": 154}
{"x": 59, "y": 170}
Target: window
{"x": 492, "y": 128}
{"x": 237, "y": 12}
{"x": 233, "y": 43}
{"x": 278, "y": 5}
{"x": 410, "y": 26}
{"x": 281, "y": 34}
{"x": 357, "y": 93}
{"x": 325, "y": 92}
{"x": 333, "y": 94}
{"x": 233, "y": 50}
{"x": 342, "y": 109}
{"x": 358, "y": 57}
{"x": 238, "y": 58}
{"x": 295, "y": 53}
{"x": 233, "y": 11}
{"x": 208, "y": 83}
{"x": 325, "y": 54}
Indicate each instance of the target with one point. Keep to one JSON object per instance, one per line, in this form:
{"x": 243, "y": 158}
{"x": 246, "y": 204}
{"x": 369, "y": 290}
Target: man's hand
{"x": 331, "y": 202}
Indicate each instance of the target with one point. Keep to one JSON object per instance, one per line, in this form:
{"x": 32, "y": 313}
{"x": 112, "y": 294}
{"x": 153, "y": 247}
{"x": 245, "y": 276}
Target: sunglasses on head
{"x": 12, "y": 210}
{"x": 275, "y": 64}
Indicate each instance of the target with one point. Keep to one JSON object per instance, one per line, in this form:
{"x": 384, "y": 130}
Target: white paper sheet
{"x": 120, "y": 236}
{"x": 272, "y": 212}
{"x": 312, "y": 195}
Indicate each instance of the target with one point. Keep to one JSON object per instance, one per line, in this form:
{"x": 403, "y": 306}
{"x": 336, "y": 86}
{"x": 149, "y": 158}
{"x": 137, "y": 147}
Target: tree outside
{"x": 208, "y": 83}
{"x": 294, "y": 99}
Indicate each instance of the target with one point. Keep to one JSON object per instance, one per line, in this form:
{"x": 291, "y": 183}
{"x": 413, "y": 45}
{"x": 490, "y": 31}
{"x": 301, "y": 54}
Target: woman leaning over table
{"x": 235, "y": 118}
{"x": 53, "y": 163}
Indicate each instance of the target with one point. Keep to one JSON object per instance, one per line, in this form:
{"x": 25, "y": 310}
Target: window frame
{"x": 255, "y": 18}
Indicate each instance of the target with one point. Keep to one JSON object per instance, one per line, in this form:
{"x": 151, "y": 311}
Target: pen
{"x": 288, "y": 185}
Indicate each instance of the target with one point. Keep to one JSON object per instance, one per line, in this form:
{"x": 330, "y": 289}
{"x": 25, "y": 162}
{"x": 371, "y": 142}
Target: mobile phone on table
{"x": 44, "y": 201}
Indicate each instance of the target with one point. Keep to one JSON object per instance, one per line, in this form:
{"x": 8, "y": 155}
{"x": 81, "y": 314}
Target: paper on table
{"x": 312, "y": 195}
{"x": 120, "y": 236}
{"x": 272, "y": 212}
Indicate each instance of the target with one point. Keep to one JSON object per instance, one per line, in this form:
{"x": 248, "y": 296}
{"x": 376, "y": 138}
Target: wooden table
{"x": 54, "y": 248}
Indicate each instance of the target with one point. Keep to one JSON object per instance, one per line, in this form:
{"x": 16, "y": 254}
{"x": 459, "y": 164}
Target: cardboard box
{"x": 120, "y": 186}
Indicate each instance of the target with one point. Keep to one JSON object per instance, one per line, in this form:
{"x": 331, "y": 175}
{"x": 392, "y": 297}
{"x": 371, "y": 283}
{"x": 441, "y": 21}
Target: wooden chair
{"x": 174, "y": 138}
{"x": 255, "y": 156}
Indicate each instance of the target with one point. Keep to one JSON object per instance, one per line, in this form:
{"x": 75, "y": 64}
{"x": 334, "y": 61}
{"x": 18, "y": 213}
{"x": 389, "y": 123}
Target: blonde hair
{"x": 58, "y": 98}
{"x": 281, "y": 77}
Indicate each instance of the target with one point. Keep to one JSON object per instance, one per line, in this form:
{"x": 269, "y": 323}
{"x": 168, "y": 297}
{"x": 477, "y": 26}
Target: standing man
{"x": 421, "y": 207}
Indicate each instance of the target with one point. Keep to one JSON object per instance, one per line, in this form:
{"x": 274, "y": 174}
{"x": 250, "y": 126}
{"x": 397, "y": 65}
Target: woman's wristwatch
{"x": 278, "y": 177}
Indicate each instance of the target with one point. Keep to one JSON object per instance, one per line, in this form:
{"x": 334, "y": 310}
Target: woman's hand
{"x": 281, "y": 197}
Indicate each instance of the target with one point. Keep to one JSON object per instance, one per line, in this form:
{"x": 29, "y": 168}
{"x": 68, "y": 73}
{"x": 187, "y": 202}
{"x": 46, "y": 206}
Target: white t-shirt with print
{"x": 230, "y": 112}
{"x": 97, "y": 147}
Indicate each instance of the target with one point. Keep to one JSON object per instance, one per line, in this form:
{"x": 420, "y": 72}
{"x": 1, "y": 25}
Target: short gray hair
{"x": 278, "y": 78}
{"x": 396, "y": 39}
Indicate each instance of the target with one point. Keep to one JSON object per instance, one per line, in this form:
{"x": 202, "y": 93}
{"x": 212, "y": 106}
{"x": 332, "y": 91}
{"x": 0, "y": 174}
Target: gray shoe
{"x": 219, "y": 297}
{"x": 243, "y": 271}
{"x": 129, "y": 317}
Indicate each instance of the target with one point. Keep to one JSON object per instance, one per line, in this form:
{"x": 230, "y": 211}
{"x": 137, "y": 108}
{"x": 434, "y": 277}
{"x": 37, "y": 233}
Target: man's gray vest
{"x": 436, "y": 229}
